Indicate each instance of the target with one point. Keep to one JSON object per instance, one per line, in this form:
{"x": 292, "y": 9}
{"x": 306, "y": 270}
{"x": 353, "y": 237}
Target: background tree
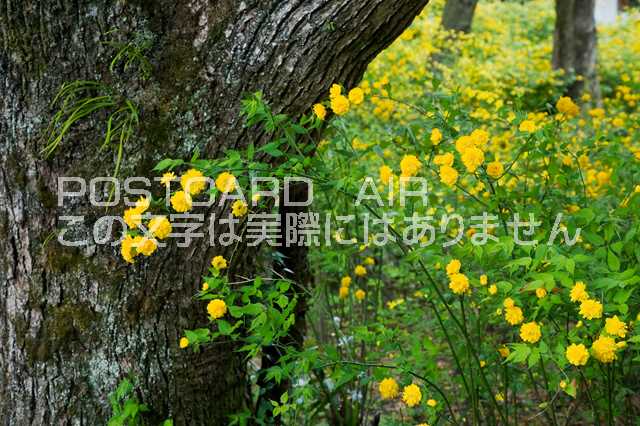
{"x": 458, "y": 15}
{"x": 575, "y": 45}
{"x": 75, "y": 320}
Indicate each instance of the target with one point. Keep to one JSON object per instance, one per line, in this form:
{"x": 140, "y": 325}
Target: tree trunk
{"x": 73, "y": 321}
{"x": 458, "y": 15}
{"x": 575, "y": 45}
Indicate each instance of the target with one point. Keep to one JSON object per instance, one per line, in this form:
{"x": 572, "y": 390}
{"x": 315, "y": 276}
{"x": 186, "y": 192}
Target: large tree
{"x": 75, "y": 320}
{"x": 575, "y": 45}
{"x": 458, "y": 15}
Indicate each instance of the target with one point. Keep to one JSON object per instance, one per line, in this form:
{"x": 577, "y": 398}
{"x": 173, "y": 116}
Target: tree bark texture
{"x": 458, "y": 15}
{"x": 73, "y": 321}
{"x": 575, "y": 45}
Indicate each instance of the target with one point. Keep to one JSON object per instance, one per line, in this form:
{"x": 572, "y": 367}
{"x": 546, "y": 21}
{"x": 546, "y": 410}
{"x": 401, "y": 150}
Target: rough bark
{"x": 575, "y": 45}
{"x": 458, "y": 15}
{"x": 73, "y": 321}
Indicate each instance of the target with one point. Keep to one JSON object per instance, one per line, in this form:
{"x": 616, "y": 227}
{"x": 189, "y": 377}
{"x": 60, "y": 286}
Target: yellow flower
{"x": 448, "y": 175}
{"x": 503, "y": 351}
{"x": 493, "y": 289}
{"x": 127, "y": 250}
{"x": 445, "y": 159}
{"x": 499, "y": 397}
{"x": 562, "y": 384}
{"x": 472, "y": 158}
{"x": 320, "y": 111}
{"x": 226, "y": 182}
{"x": 167, "y": 178}
{"x": 436, "y": 136}
{"x": 590, "y": 309}
{"x": 483, "y": 279}
{"x": 219, "y": 263}
{"x": 479, "y": 137}
{"x": 360, "y": 294}
{"x": 567, "y": 107}
{"x": 344, "y": 292}
{"x": 193, "y": 182}
{"x": 205, "y": 286}
{"x": 604, "y": 349}
{"x": 360, "y": 271}
{"x": 463, "y": 143}
{"x": 577, "y": 354}
{"x": 614, "y": 327}
{"x": 356, "y": 96}
{"x": 239, "y": 208}
{"x": 133, "y": 217}
{"x": 410, "y": 165}
{"x": 579, "y": 292}
{"x": 160, "y": 227}
{"x": 386, "y": 174}
{"x": 453, "y": 267}
{"x": 508, "y": 303}
{"x": 184, "y": 342}
{"x": 458, "y": 283}
{"x": 388, "y": 388}
{"x": 513, "y": 315}
{"x": 527, "y": 126}
{"x": 530, "y": 332}
{"x": 340, "y": 105}
{"x": 369, "y": 261}
{"x": 146, "y": 246}
{"x": 495, "y": 169}
{"x": 335, "y": 91}
{"x": 143, "y": 204}
{"x": 345, "y": 281}
{"x": 217, "y": 308}
{"x": 432, "y": 402}
{"x": 181, "y": 201}
{"x": 541, "y": 292}
{"x": 411, "y": 395}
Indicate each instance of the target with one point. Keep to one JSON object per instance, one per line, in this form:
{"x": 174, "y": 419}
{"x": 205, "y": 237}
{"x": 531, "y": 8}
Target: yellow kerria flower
{"x": 320, "y": 111}
{"x": 410, "y": 165}
{"x": 335, "y": 91}
{"x": 530, "y": 332}
{"x": 184, "y": 342}
{"x": 614, "y": 327}
{"x": 513, "y": 315}
{"x": 459, "y": 283}
{"x": 143, "y": 204}
{"x": 388, "y": 388}
{"x": 504, "y": 351}
{"x": 472, "y": 158}
{"x": 340, "y": 105}
{"x": 483, "y": 279}
{"x": 541, "y": 292}
{"x": 345, "y": 281}
{"x": 508, "y": 303}
{"x": 579, "y": 292}
{"x": 386, "y": 174}
{"x": 133, "y": 217}
{"x": 577, "y": 354}
{"x": 411, "y": 395}
{"x": 436, "y": 136}
{"x": 495, "y": 169}
{"x": 356, "y": 96}
{"x": 344, "y": 292}
{"x": 567, "y": 107}
{"x": 239, "y": 208}
{"x": 181, "y": 201}
{"x": 127, "y": 250}
{"x": 604, "y": 349}
{"x": 369, "y": 261}
{"x": 167, "y": 178}
{"x": 443, "y": 159}
{"x": 218, "y": 263}
{"x": 160, "y": 227}
{"x": 146, "y": 246}
{"x": 226, "y": 182}
{"x": 432, "y": 402}
{"x": 448, "y": 175}
{"x": 493, "y": 289}
{"x": 217, "y": 308}
{"x": 193, "y": 182}
{"x": 590, "y": 309}
{"x": 360, "y": 271}
{"x": 453, "y": 267}
{"x": 527, "y": 126}
{"x": 360, "y": 294}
